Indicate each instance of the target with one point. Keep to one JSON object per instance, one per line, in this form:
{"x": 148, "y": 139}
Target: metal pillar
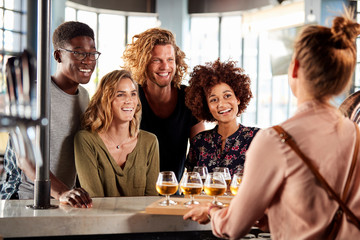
{"x": 42, "y": 180}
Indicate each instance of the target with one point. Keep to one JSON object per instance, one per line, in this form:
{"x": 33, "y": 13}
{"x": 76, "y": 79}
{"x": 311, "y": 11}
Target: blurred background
{"x": 258, "y": 34}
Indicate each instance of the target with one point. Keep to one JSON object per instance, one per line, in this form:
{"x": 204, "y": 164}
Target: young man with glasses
{"x": 76, "y": 55}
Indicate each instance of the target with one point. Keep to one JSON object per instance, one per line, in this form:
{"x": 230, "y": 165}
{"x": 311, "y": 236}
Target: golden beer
{"x": 239, "y": 180}
{"x": 191, "y": 189}
{"x": 228, "y": 181}
{"x": 235, "y": 183}
{"x": 234, "y": 190}
{"x": 215, "y": 190}
{"x": 167, "y": 188}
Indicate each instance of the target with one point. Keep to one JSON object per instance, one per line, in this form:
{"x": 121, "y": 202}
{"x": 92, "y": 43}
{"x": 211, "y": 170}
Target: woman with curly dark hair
{"x": 219, "y": 92}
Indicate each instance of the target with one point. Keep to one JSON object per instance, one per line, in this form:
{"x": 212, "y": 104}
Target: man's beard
{"x": 153, "y": 80}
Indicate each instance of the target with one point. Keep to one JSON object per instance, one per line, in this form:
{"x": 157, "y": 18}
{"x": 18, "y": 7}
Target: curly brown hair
{"x": 99, "y": 115}
{"x": 137, "y": 55}
{"x": 205, "y": 77}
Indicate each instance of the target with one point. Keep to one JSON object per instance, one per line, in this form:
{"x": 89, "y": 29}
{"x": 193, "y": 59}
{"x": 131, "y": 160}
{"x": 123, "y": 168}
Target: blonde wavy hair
{"x": 137, "y": 55}
{"x": 99, "y": 115}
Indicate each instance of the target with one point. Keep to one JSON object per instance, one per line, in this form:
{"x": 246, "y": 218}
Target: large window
{"x": 12, "y": 38}
{"x": 138, "y": 24}
{"x": 12, "y": 42}
{"x": 204, "y": 34}
{"x": 231, "y": 38}
{"x": 111, "y": 47}
{"x": 110, "y": 41}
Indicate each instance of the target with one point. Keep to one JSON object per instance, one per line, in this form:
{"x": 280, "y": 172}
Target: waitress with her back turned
{"x": 276, "y": 180}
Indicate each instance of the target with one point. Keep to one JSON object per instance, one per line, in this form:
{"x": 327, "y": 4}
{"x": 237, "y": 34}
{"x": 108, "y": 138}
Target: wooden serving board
{"x": 180, "y": 208}
{"x": 224, "y": 199}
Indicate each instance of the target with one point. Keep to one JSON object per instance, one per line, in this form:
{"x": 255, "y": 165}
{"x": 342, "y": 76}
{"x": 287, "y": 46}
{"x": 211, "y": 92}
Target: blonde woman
{"x": 113, "y": 157}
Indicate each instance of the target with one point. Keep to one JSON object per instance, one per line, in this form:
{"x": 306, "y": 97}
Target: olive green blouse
{"x": 101, "y": 176}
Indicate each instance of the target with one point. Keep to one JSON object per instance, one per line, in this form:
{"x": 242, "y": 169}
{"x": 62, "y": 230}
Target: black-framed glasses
{"x": 82, "y": 55}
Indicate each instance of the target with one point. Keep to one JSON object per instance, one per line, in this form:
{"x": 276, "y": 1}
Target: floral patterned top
{"x": 205, "y": 149}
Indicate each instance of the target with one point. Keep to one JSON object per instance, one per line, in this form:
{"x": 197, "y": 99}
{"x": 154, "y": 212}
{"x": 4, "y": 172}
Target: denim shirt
{"x": 13, "y": 174}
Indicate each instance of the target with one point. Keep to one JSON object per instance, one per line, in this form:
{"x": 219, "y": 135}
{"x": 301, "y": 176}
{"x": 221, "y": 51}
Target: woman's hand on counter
{"x": 198, "y": 213}
{"x": 76, "y": 197}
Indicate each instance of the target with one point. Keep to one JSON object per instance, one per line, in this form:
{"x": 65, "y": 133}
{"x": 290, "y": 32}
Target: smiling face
{"x": 125, "y": 101}
{"x": 222, "y": 103}
{"x": 162, "y": 67}
{"x": 73, "y": 70}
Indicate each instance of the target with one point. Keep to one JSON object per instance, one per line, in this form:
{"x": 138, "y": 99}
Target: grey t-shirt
{"x": 65, "y": 117}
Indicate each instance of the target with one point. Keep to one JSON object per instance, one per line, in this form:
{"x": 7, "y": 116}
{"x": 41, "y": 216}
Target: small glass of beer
{"x": 191, "y": 184}
{"x": 215, "y": 185}
{"x": 203, "y": 171}
{"x": 225, "y": 171}
{"x": 235, "y": 183}
{"x": 167, "y": 185}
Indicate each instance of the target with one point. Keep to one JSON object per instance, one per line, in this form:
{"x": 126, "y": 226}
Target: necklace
{"x": 117, "y": 145}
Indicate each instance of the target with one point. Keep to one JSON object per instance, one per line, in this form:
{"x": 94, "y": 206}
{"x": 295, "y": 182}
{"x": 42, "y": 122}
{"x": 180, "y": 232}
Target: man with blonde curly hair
{"x": 158, "y": 65}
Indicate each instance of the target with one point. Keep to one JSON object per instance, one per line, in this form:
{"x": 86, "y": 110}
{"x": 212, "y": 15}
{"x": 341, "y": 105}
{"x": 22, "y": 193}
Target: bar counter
{"x": 123, "y": 217}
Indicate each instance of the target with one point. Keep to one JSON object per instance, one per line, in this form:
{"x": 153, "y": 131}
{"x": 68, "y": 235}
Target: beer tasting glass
{"x": 191, "y": 184}
{"x": 240, "y": 169}
{"x": 203, "y": 171}
{"x": 215, "y": 185}
{"x": 235, "y": 183}
{"x": 167, "y": 185}
{"x": 225, "y": 171}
